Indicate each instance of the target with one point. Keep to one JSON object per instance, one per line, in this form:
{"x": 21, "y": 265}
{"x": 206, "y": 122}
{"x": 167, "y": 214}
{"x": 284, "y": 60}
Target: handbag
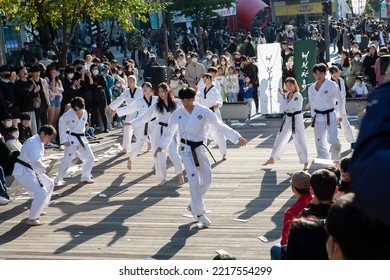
{"x": 37, "y": 102}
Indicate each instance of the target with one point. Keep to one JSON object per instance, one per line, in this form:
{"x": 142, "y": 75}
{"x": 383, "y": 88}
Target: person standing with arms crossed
{"x": 325, "y": 103}
{"x": 192, "y": 121}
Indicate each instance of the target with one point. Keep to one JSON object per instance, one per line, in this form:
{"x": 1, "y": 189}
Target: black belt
{"x": 78, "y": 136}
{"x": 322, "y": 113}
{"x": 162, "y": 125}
{"x": 292, "y": 115}
{"x": 30, "y": 167}
{"x": 193, "y": 146}
{"x": 146, "y": 127}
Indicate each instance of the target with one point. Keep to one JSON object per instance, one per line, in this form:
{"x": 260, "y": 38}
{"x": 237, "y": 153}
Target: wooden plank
{"x": 138, "y": 219}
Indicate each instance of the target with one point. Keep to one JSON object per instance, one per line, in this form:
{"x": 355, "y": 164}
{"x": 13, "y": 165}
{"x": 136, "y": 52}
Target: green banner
{"x": 305, "y": 57}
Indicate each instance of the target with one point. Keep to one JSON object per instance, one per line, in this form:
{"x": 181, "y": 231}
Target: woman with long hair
{"x": 55, "y": 95}
{"x": 161, "y": 111}
{"x": 292, "y": 124}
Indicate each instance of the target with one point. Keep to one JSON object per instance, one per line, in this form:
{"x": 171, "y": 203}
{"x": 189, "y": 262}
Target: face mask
{"x": 357, "y": 58}
{"x": 120, "y": 72}
{"x": 355, "y": 49}
{"x": 95, "y": 72}
{"x": 223, "y": 62}
{"x": 8, "y": 124}
{"x": 194, "y": 59}
{"x": 145, "y": 51}
{"x": 215, "y": 60}
{"x": 15, "y": 134}
{"x": 358, "y": 83}
{"x": 209, "y": 57}
{"x": 287, "y": 53}
{"x": 70, "y": 76}
{"x": 117, "y": 84}
{"x": 7, "y": 76}
{"x": 178, "y": 75}
{"x": 183, "y": 73}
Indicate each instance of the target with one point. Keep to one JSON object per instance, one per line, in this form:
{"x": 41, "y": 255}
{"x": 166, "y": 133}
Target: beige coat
{"x": 194, "y": 72}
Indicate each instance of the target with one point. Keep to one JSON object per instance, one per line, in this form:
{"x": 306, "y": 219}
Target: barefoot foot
{"x": 180, "y": 179}
{"x": 129, "y": 164}
{"x": 270, "y": 161}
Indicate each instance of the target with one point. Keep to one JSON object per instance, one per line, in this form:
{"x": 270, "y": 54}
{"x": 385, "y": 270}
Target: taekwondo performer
{"x": 141, "y": 105}
{"x": 128, "y": 96}
{"x": 161, "y": 111}
{"x": 71, "y": 129}
{"x": 209, "y": 97}
{"x": 292, "y": 124}
{"x": 192, "y": 120}
{"x": 345, "y": 125}
{"x": 325, "y": 103}
{"x": 29, "y": 172}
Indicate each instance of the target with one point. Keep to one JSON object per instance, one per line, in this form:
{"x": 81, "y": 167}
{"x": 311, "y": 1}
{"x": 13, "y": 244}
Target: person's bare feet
{"x": 123, "y": 151}
{"x": 270, "y": 161}
{"x": 43, "y": 213}
{"x": 129, "y": 164}
{"x": 149, "y": 147}
{"x": 34, "y": 222}
{"x": 162, "y": 183}
{"x": 180, "y": 179}
{"x": 305, "y": 166}
{"x": 224, "y": 157}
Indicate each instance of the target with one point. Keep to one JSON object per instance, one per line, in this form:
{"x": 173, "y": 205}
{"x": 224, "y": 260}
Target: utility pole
{"x": 327, "y": 11}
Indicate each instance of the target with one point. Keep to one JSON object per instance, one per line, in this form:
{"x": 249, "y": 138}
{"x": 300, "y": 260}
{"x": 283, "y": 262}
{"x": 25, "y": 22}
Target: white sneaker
{"x": 3, "y": 200}
{"x": 205, "y": 221}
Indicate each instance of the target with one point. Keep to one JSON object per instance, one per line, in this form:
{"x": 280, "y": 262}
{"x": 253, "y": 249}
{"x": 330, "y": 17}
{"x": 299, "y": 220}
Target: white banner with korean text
{"x": 269, "y": 62}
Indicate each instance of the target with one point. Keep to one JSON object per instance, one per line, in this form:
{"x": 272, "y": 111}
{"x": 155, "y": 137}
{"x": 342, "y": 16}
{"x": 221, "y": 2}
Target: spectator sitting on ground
{"x": 11, "y": 139}
{"x": 24, "y": 127}
{"x": 323, "y": 186}
{"x": 359, "y": 90}
{"x": 300, "y": 186}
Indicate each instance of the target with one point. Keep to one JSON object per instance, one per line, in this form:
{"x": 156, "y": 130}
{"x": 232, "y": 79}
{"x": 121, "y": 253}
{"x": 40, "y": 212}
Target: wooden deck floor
{"x": 125, "y": 216}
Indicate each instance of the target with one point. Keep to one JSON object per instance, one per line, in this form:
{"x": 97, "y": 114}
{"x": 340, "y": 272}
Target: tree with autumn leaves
{"x": 47, "y": 15}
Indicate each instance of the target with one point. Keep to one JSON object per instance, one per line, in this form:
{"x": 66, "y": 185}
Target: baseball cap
{"x": 300, "y": 179}
{"x": 24, "y": 116}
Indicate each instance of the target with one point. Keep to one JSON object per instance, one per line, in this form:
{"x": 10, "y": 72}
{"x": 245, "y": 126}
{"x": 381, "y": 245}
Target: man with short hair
{"x": 325, "y": 103}
{"x": 72, "y": 135}
{"x": 191, "y": 121}
{"x": 194, "y": 71}
{"x": 323, "y": 187}
{"x": 29, "y": 172}
{"x": 25, "y": 131}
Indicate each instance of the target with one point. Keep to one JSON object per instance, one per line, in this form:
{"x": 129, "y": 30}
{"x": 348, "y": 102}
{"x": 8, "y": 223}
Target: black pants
{"x": 96, "y": 108}
{"x": 256, "y": 98}
{"x": 41, "y": 114}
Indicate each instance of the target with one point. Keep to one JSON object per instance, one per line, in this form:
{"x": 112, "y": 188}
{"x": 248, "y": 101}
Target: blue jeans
{"x": 278, "y": 252}
{"x": 3, "y": 190}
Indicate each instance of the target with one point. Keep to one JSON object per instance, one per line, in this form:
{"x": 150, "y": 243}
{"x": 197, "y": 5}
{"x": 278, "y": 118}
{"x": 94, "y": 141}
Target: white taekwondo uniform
{"x": 157, "y": 130}
{"x": 128, "y": 96}
{"x": 292, "y": 125}
{"x": 141, "y": 133}
{"x": 192, "y": 130}
{"x": 71, "y": 129}
{"x": 345, "y": 125}
{"x": 209, "y": 99}
{"x": 325, "y": 107}
{"x": 34, "y": 180}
